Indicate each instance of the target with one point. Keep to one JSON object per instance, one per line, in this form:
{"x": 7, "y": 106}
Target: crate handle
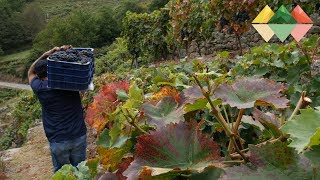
{"x": 66, "y": 66}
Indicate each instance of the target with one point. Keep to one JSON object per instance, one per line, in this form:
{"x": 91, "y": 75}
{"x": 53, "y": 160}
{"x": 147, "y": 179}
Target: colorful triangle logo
{"x": 282, "y": 16}
{"x": 264, "y": 30}
{"x": 264, "y": 16}
{"x": 282, "y": 23}
{"x": 300, "y": 31}
{"x": 282, "y": 31}
{"x": 300, "y": 16}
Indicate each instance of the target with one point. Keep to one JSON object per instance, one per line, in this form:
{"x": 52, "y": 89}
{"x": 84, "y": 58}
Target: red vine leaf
{"x": 247, "y": 92}
{"x": 112, "y": 158}
{"x": 165, "y": 92}
{"x": 104, "y": 103}
{"x": 175, "y": 147}
{"x": 123, "y": 166}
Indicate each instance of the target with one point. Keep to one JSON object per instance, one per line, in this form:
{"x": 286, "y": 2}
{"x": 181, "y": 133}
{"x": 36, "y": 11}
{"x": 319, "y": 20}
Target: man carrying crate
{"x": 62, "y": 115}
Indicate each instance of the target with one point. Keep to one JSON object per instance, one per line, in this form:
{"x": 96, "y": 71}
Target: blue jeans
{"x": 68, "y": 152}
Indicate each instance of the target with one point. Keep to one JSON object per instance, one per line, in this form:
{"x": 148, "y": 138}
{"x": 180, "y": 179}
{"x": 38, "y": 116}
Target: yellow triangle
{"x": 264, "y": 16}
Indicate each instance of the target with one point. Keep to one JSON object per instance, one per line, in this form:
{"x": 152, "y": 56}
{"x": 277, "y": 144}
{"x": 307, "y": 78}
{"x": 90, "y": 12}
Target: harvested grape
{"x": 73, "y": 55}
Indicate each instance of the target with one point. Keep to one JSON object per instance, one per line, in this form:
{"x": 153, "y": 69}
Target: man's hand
{"x": 31, "y": 73}
{"x": 55, "y": 49}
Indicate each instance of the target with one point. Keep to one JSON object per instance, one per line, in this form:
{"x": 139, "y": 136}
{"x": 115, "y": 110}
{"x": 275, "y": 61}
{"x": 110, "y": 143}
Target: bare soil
{"x": 32, "y": 161}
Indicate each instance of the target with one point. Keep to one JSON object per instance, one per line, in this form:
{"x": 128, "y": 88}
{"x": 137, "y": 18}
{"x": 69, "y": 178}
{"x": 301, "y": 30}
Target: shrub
{"x": 24, "y": 114}
{"x": 117, "y": 58}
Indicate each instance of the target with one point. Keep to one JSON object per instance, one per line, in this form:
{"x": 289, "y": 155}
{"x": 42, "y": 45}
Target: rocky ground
{"x": 32, "y": 161}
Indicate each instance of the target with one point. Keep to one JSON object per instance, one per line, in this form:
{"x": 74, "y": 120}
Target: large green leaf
{"x": 111, "y": 158}
{"x": 194, "y": 99}
{"x": 247, "y": 173}
{"x": 277, "y": 154}
{"x": 135, "y": 97}
{"x": 193, "y": 93}
{"x": 68, "y": 172}
{"x": 93, "y": 166}
{"x": 249, "y": 120}
{"x": 173, "y": 149}
{"x": 65, "y": 172}
{"x": 304, "y": 129}
{"x": 165, "y": 112}
{"x": 272, "y": 161}
{"x": 106, "y": 140}
{"x": 247, "y": 92}
{"x": 269, "y": 121}
{"x": 199, "y": 104}
{"x": 265, "y": 118}
{"x": 314, "y": 155}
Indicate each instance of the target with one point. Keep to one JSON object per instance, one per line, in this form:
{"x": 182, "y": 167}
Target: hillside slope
{"x": 63, "y": 7}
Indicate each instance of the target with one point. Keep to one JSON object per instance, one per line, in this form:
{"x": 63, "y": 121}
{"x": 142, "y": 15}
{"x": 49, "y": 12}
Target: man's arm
{"x": 31, "y": 71}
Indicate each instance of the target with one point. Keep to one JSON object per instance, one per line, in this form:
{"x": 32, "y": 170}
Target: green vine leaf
{"x": 247, "y": 92}
{"x": 314, "y": 156}
{"x": 165, "y": 112}
{"x": 199, "y": 104}
{"x": 266, "y": 118}
{"x": 93, "y": 166}
{"x": 272, "y": 160}
{"x": 245, "y": 172}
{"x": 249, "y": 120}
{"x": 171, "y": 150}
{"x": 135, "y": 97}
{"x": 106, "y": 140}
{"x": 277, "y": 154}
{"x": 122, "y": 95}
{"x": 304, "y": 129}
{"x": 111, "y": 158}
{"x": 193, "y": 93}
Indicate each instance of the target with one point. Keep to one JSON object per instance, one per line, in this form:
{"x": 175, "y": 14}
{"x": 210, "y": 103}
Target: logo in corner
{"x": 282, "y": 23}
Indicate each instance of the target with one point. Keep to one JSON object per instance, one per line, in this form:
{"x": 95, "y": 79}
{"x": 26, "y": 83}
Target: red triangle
{"x": 300, "y": 16}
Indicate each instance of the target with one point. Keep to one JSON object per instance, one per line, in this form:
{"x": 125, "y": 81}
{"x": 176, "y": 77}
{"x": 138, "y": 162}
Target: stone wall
{"x": 222, "y": 41}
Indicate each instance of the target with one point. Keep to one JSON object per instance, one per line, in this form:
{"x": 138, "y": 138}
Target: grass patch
{"x": 7, "y": 94}
{"x": 23, "y": 112}
{"x": 14, "y": 64}
{"x": 63, "y": 7}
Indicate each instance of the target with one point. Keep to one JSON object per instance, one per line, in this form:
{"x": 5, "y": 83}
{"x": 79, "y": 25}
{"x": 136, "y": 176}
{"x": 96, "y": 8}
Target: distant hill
{"x": 64, "y": 7}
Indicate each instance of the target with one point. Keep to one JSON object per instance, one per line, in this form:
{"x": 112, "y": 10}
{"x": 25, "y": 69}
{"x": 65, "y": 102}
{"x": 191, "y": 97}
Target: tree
{"x": 146, "y": 34}
{"x": 188, "y": 21}
{"x": 234, "y": 16}
{"x": 79, "y": 29}
{"x": 108, "y": 27}
{"x": 157, "y": 4}
{"x": 32, "y": 20}
{"x": 124, "y": 7}
{"x": 12, "y": 34}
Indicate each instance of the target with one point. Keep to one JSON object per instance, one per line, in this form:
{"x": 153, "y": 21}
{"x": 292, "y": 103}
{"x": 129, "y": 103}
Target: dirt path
{"x": 32, "y": 161}
{"x": 15, "y": 85}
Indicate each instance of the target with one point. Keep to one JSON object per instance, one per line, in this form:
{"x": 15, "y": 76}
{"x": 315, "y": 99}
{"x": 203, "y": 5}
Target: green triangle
{"x": 282, "y": 16}
{"x": 282, "y": 31}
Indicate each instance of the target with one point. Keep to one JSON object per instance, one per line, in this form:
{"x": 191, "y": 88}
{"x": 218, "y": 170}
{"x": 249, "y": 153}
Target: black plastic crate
{"x": 70, "y": 70}
{"x": 70, "y": 75}
{"x": 68, "y": 85}
{"x": 68, "y": 78}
